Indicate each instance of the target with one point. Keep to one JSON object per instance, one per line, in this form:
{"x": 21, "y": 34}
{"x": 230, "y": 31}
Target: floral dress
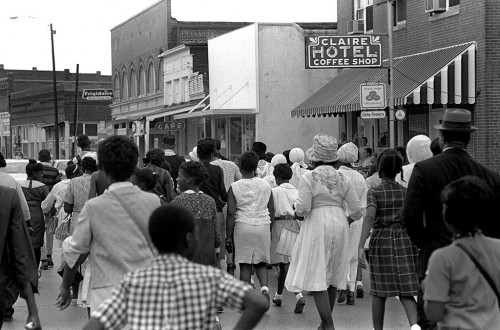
{"x": 205, "y": 214}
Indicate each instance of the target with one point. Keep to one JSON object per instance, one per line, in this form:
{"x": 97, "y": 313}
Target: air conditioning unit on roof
{"x": 356, "y": 27}
{"x": 435, "y": 6}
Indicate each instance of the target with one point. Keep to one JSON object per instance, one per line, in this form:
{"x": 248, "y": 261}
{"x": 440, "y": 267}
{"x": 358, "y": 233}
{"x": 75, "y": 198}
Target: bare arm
{"x": 231, "y": 212}
{"x": 368, "y": 222}
{"x": 270, "y": 207}
{"x": 254, "y": 307}
{"x": 93, "y": 185}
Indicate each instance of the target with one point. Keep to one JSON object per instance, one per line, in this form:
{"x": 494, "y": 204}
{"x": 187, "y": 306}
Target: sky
{"x": 83, "y": 27}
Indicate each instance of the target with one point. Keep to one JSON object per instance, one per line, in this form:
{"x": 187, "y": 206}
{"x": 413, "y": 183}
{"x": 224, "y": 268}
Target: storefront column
{"x": 146, "y": 135}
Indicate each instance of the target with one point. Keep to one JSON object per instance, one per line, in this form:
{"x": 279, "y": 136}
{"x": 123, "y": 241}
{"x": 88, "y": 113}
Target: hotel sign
{"x": 323, "y": 52}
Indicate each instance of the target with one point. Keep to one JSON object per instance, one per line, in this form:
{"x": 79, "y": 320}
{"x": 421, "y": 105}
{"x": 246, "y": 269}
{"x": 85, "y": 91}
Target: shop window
{"x": 91, "y": 129}
{"x": 79, "y": 130}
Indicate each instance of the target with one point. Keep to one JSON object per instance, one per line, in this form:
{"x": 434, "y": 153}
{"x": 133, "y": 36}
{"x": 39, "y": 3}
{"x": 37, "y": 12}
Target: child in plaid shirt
{"x": 174, "y": 292}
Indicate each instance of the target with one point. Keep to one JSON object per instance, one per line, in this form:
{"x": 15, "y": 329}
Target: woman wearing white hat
{"x": 319, "y": 261}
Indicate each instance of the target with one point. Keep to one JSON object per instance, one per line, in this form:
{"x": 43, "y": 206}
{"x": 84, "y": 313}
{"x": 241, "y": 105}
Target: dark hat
{"x": 169, "y": 140}
{"x": 456, "y": 120}
{"x": 260, "y": 149}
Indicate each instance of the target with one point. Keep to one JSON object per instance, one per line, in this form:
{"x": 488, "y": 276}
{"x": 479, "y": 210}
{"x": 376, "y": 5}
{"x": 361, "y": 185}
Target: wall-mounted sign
{"x": 372, "y": 96}
{"x": 170, "y": 125}
{"x": 343, "y": 51}
{"x": 400, "y": 114}
{"x": 373, "y": 114}
{"x": 97, "y": 94}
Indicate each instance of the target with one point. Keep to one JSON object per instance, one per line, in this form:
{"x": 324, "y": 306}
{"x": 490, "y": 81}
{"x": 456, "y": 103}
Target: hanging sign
{"x": 373, "y": 114}
{"x": 97, "y": 94}
{"x": 360, "y": 51}
{"x": 372, "y": 96}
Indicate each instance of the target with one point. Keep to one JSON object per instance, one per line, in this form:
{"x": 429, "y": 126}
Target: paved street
{"x": 345, "y": 317}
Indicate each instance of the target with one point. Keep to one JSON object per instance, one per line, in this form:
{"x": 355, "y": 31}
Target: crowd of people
{"x": 145, "y": 244}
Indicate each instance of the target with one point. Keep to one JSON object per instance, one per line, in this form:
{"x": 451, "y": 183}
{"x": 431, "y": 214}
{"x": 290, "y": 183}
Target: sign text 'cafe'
{"x": 343, "y": 51}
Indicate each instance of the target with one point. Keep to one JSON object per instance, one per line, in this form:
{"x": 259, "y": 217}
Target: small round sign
{"x": 400, "y": 114}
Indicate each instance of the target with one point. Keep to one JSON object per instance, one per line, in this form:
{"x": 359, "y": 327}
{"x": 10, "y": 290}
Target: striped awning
{"x": 441, "y": 76}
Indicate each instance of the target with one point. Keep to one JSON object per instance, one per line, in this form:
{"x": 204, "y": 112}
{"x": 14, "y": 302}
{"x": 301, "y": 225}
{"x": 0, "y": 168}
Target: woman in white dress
{"x": 319, "y": 261}
{"x": 298, "y": 167}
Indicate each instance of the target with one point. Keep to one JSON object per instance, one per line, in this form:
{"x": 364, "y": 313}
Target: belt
{"x": 285, "y": 217}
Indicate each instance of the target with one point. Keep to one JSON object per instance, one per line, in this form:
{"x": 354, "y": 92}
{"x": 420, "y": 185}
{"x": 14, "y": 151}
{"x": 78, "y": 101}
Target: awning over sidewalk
{"x": 441, "y": 76}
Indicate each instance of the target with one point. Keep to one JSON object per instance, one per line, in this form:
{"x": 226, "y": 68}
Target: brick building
{"x": 446, "y": 54}
{"x": 26, "y": 96}
{"x": 139, "y": 71}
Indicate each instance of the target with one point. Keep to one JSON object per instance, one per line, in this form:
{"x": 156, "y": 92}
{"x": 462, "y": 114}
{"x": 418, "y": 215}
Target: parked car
{"x": 16, "y": 168}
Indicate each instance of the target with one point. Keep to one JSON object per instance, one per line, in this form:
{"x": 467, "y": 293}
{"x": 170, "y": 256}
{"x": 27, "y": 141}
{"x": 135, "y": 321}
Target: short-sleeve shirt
{"x": 77, "y": 192}
{"x": 453, "y": 279}
{"x": 388, "y": 198}
{"x": 174, "y": 293}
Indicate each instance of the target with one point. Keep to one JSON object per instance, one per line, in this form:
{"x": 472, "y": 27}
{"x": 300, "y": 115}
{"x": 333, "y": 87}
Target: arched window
{"x": 124, "y": 93}
{"x": 133, "y": 84}
{"x": 116, "y": 87}
{"x": 142, "y": 81}
{"x": 160, "y": 75}
{"x": 151, "y": 78}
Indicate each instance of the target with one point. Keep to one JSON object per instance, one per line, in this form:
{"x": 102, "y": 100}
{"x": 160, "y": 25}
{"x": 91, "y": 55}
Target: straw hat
{"x": 324, "y": 149}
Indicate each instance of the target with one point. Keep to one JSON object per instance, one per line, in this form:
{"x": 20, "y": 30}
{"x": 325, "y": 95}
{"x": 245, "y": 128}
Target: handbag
{"x": 482, "y": 271}
{"x": 63, "y": 230}
{"x": 51, "y": 224}
{"x": 286, "y": 241}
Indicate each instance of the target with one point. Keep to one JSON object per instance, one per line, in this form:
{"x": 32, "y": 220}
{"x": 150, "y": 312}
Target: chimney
{"x": 66, "y": 74}
{"x": 1, "y": 67}
{"x": 34, "y": 68}
{"x": 98, "y": 73}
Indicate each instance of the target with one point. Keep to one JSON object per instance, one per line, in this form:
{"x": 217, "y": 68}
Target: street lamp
{"x": 56, "y": 114}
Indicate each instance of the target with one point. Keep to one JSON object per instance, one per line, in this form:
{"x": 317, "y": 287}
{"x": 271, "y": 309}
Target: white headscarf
{"x": 296, "y": 156}
{"x": 278, "y": 159}
{"x": 418, "y": 148}
{"x": 348, "y": 153}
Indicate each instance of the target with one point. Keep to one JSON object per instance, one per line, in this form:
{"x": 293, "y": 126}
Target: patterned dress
{"x": 205, "y": 214}
{"x": 392, "y": 253}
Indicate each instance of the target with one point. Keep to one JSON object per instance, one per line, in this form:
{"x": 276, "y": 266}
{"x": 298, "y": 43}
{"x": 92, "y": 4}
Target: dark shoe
{"x": 50, "y": 262}
{"x": 220, "y": 309}
{"x": 359, "y": 291}
{"x": 39, "y": 273}
{"x": 341, "y": 297}
{"x": 8, "y": 319}
{"x": 350, "y": 298}
{"x": 299, "y": 306}
{"x": 45, "y": 265}
{"x": 277, "y": 301}
{"x": 231, "y": 268}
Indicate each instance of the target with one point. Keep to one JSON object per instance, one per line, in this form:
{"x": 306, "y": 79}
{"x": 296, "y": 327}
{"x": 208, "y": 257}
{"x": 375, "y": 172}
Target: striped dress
{"x": 392, "y": 253}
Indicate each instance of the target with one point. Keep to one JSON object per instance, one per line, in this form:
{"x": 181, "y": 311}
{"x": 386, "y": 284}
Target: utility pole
{"x": 75, "y": 116}
{"x": 56, "y": 114}
{"x": 390, "y": 77}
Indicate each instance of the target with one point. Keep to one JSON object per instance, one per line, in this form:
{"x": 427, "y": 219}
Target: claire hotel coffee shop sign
{"x": 361, "y": 51}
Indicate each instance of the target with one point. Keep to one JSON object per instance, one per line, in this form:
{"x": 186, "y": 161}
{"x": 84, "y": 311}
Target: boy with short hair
{"x": 175, "y": 292}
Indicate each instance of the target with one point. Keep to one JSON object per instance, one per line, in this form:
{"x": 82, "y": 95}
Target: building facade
{"x": 257, "y": 74}
{"x": 27, "y": 110}
{"x": 446, "y": 54}
{"x": 149, "y": 90}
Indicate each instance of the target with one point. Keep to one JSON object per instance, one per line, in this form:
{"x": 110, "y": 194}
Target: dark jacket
{"x": 51, "y": 176}
{"x": 175, "y": 162}
{"x": 214, "y": 186}
{"x": 422, "y": 213}
{"x": 16, "y": 255}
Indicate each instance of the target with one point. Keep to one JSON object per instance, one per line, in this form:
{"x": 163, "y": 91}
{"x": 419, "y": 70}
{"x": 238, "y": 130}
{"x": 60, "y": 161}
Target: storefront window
{"x": 221, "y": 134}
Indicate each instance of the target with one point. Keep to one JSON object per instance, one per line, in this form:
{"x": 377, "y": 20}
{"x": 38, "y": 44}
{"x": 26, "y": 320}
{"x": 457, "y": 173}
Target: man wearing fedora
{"x": 422, "y": 213}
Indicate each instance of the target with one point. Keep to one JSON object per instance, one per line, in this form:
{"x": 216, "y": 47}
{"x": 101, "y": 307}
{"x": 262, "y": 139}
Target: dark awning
{"x": 445, "y": 75}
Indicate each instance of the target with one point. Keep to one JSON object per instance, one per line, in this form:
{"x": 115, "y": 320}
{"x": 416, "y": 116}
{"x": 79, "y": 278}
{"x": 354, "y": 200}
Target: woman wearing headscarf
{"x": 348, "y": 154}
{"x": 298, "y": 166}
{"x": 277, "y": 159}
{"x": 319, "y": 261}
{"x": 417, "y": 150}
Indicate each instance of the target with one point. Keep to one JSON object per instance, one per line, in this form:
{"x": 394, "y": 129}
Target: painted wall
{"x": 284, "y": 83}
{"x": 232, "y": 62}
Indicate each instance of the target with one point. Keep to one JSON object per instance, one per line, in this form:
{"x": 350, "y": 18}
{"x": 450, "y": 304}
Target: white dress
{"x": 320, "y": 255}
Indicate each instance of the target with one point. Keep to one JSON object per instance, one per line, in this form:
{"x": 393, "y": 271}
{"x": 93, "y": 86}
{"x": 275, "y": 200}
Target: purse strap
{"x": 481, "y": 270}
{"x": 136, "y": 221}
